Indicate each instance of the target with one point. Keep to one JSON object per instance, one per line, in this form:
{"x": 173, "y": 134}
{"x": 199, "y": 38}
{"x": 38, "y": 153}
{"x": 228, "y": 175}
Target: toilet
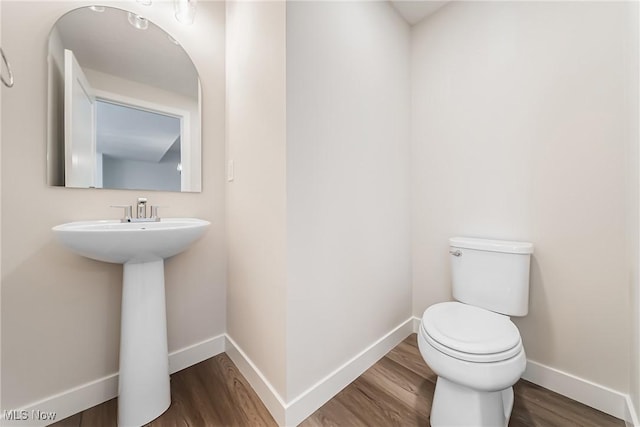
{"x": 471, "y": 343}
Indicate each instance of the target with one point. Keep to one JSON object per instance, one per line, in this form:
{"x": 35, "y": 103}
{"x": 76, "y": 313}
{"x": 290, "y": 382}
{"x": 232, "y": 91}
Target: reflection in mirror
{"x": 130, "y": 141}
{"x": 124, "y": 105}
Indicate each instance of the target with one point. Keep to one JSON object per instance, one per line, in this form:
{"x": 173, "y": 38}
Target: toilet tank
{"x": 492, "y": 274}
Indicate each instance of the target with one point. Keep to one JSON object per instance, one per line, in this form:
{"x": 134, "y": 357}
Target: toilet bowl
{"x": 478, "y": 356}
{"x": 471, "y": 344}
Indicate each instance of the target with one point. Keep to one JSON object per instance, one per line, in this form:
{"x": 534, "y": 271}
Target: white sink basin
{"x": 143, "y": 382}
{"x": 121, "y": 242}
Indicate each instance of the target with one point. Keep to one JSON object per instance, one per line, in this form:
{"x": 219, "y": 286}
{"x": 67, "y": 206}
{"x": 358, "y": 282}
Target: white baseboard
{"x": 416, "y": 324}
{"x": 196, "y": 353}
{"x": 93, "y": 393}
{"x": 632, "y": 419}
{"x": 584, "y": 391}
{"x": 263, "y": 388}
{"x": 318, "y": 394}
{"x": 64, "y": 404}
{"x": 291, "y": 413}
{"x": 295, "y": 411}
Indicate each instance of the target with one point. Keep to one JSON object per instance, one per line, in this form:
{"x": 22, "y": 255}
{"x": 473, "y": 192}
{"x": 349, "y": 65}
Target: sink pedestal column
{"x": 143, "y": 388}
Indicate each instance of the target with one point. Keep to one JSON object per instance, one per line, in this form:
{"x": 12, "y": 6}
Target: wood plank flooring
{"x": 396, "y": 391}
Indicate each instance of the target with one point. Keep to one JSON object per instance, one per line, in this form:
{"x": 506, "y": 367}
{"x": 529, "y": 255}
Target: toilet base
{"x": 456, "y": 405}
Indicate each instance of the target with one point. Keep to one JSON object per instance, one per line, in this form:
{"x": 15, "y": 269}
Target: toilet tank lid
{"x": 506, "y": 246}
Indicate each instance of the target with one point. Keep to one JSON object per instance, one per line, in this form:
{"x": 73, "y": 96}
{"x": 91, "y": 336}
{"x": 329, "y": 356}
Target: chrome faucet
{"x": 141, "y": 212}
{"x": 142, "y": 207}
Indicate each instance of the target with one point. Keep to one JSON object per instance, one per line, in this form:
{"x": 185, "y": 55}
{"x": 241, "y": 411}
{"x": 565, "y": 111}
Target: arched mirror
{"x": 124, "y": 105}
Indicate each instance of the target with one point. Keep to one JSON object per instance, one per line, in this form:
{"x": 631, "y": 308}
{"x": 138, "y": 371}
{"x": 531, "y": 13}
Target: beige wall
{"x": 60, "y": 312}
{"x": 256, "y": 199}
{"x": 348, "y": 210}
{"x": 520, "y": 131}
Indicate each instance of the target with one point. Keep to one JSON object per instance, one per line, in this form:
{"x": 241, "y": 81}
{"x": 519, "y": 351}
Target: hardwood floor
{"x": 211, "y": 393}
{"x": 396, "y": 391}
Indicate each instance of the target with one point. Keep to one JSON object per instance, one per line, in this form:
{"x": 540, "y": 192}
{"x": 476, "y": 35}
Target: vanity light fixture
{"x": 138, "y": 21}
{"x": 185, "y": 11}
{"x": 97, "y": 8}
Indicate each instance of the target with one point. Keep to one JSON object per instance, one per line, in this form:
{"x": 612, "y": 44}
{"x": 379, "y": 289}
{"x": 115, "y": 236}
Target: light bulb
{"x": 138, "y": 21}
{"x": 185, "y": 11}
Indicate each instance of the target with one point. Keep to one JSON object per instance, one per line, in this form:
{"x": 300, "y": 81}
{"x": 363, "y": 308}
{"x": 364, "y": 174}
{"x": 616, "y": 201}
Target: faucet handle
{"x": 127, "y": 212}
{"x": 154, "y": 211}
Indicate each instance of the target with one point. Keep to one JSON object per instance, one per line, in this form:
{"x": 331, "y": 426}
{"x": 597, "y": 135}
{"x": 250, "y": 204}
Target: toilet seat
{"x": 470, "y": 333}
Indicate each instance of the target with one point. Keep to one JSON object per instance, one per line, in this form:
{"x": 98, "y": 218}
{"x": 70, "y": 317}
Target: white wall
{"x": 318, "y": 211}
{"x": 348, "y": 218}
{"x": 2, "y": 89}
{"x": 520, "y": 121}
{"x": 634, "y": 211}
{"x": 256, "y": 199}
{"x": 127, "y": 173}
{"x": 60, "y": 312}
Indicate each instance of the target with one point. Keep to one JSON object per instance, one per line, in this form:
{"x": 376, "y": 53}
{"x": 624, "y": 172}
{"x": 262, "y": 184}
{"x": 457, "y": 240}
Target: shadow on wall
{"x": 535, "y": 327}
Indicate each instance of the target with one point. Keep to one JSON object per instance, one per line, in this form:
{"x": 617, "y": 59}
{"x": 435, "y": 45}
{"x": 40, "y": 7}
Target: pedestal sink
{"x": 143, "y": 388}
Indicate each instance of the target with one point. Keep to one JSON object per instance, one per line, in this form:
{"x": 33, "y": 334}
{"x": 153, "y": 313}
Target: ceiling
{"x": 129, "y": 133}
{"x": 414, "y": 11}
